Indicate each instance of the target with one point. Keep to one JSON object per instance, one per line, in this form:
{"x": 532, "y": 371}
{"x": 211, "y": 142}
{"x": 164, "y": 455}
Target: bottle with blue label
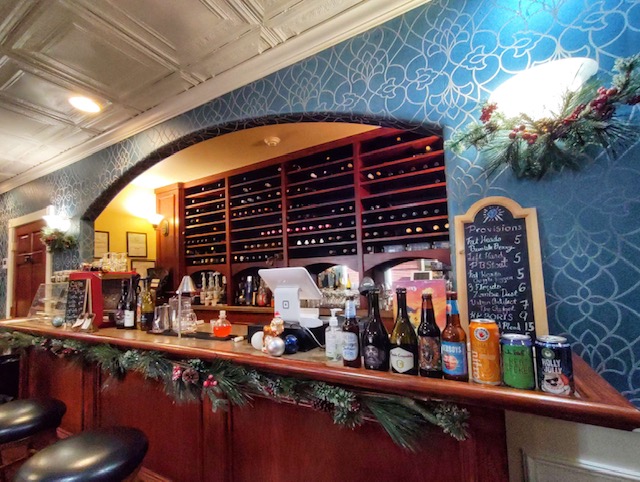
{"x": 454, "y": 344}
{"x": 351, "y": 336}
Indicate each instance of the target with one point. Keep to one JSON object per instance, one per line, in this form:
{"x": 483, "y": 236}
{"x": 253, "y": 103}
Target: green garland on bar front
{"x": 225, "y": 382}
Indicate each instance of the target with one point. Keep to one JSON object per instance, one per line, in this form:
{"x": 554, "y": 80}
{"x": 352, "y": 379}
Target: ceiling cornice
{"x": 357, "y": 20}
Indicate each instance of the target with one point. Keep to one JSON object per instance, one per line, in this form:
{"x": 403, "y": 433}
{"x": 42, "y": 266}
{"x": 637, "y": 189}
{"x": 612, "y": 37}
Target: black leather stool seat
{"x": 24, "y": 418}
{"x": 101, "y": 455}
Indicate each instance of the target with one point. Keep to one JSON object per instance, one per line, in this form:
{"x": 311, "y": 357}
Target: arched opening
{"x": 245, "y": 147}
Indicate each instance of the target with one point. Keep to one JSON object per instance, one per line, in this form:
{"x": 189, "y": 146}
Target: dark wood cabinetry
{"x": 370, "y": 199}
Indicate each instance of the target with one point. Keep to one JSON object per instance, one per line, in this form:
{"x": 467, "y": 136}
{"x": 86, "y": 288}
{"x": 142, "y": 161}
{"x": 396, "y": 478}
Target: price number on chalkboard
{"x": 494, "y": 240}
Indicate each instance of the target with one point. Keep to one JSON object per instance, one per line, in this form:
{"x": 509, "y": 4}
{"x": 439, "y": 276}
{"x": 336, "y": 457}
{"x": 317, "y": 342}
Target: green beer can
{"x": 517, "y": 361}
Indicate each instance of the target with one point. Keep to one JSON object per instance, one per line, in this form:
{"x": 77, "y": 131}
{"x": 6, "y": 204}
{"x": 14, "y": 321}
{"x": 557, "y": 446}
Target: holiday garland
{"x": 225, "y": 382}
{"x": 57, "y": 240}
{"x": 533, "y": 147}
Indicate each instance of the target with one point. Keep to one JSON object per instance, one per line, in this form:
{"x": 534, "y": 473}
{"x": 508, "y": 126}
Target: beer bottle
{"x": 454, "y": 344}
{"x": 404, "y": 342}
{"x": 429, "y": 340}
{"x": 375, "y": 344}
{"x": 350, "y": 336}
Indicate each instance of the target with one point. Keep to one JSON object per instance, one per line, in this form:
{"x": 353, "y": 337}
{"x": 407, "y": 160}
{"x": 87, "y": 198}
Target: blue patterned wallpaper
{"x": 431, "y": 68}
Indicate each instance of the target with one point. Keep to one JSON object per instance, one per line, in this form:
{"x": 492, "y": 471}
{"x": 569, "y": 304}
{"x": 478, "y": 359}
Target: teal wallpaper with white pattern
{"x": 430, "y": 68}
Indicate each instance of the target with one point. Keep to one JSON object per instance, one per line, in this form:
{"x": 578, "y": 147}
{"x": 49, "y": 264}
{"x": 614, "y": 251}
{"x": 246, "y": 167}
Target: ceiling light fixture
{"x": 84, "y": 104}
{"x": 272, "y": 141}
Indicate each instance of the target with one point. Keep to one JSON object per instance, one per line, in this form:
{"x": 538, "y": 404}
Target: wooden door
{"x": 30, "y": 266}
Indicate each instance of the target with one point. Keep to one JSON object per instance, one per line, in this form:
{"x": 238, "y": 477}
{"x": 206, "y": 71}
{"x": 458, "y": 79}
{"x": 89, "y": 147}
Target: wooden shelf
{"x": 371, "y": 260}
{"x": 405, "y": 160}
{"x": 406, "y": 175}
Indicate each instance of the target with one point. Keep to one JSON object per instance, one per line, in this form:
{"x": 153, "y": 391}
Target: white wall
{"x": 544, "y": 449}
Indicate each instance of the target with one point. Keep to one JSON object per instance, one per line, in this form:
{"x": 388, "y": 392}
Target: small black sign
{"x": 76, "y": 295}
{"x": 498, "y": 275}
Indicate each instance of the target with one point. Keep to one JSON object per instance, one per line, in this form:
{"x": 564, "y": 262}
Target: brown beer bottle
{"x": 454, "y": 344}
{"x": 429, "y": 340}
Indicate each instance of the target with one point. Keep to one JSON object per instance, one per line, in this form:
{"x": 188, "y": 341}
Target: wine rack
{"x": 255, "y": 201}
{"x": 403, "y": 193}
{"x": 321, "y": 204}
{"x": 362, "y": 201}
{"x": 204, "y": 224}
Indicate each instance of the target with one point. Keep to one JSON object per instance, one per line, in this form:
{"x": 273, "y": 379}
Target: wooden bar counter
{"x": 282, "y": 441}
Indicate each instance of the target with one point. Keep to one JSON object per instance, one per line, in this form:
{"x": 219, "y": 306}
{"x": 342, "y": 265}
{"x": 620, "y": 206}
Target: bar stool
{"x": 28, "y": 424}
{"x": 100, "y": 455}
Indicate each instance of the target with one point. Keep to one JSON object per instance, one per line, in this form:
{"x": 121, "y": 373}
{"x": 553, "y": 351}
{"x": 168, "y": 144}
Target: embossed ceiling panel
{"x": 144, "y": 61}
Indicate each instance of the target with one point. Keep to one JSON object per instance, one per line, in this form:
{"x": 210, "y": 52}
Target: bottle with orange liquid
{"x": 222, "y": 327}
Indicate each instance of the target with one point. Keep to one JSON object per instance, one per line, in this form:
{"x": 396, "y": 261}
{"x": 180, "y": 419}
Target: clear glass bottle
{"x": 333, "y": 337}
{"x": 222, "y": 327}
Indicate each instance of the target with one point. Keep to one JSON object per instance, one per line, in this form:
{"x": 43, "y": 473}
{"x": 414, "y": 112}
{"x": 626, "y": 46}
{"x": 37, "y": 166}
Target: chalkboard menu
{"x": 499, "y": 266}
{"x": 76, "y": 299}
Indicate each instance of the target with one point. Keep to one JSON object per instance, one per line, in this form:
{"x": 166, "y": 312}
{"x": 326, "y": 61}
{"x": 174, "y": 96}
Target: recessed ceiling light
{"x": 84, "y": 104}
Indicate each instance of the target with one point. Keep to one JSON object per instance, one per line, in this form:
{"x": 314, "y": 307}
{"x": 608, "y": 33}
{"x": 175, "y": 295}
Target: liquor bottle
{"x": 350, "y": 336}
{"x": 454, "y": 344}
{"x": 146, "y": 306}
{"x": 131, "y": 304}
{"x": 429, "y": 340}
{"x": 404, "y": 342}
{"x": 375, "y": 344}
{"x": 119, "y": 314}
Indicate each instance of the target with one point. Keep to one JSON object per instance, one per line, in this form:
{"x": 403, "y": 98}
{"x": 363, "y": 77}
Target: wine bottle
{"x": 429, "y": 340}
{"x": 454, "y": 344}
{"x": 119, "y": 314}
{"x": 350, "y": 336}
{"x": 404, "y": 342}
{"x": 146, "y": 306}
{"x": 375, "y": 341}
{"x": 131, "y": 306}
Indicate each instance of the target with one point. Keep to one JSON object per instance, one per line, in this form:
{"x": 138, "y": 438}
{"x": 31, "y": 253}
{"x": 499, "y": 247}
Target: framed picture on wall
{"x": 100, "y": 243}
{"x": 136, "y": 245}
{"x": 141, "y": 266}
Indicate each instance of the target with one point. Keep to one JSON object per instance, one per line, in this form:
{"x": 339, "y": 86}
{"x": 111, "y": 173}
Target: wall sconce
{"x": 159, "y": 222}
{"x": 539, "y": 91}
{"x": 59, "y": 222}
{"x": 155, "y": 219}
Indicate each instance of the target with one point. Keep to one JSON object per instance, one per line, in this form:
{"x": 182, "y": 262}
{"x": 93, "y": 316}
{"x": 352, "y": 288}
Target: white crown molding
{"x": 352, "y": 22}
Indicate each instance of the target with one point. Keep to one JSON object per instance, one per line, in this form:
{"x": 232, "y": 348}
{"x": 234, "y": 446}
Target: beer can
{"x": 517, "y": 361}
{"x": 554, "y": 365}
{"x": 485, "y": 351}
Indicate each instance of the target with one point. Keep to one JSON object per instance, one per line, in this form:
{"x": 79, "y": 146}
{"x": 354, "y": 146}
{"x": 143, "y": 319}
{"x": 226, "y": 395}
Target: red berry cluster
{"x": 521, "y": 132}
{"x": 601, "y": 105}
{"x": 575, "y": 114}
{"x": 487, "y": 112}
{"x": 210, "y": 382}
{"x": 177, "y": 373}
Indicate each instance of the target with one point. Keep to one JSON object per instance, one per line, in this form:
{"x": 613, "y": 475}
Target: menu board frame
{"x": 535, "y": 282}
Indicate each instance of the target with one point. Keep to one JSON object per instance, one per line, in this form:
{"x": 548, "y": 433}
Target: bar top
{"x": 596, "y": 402}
